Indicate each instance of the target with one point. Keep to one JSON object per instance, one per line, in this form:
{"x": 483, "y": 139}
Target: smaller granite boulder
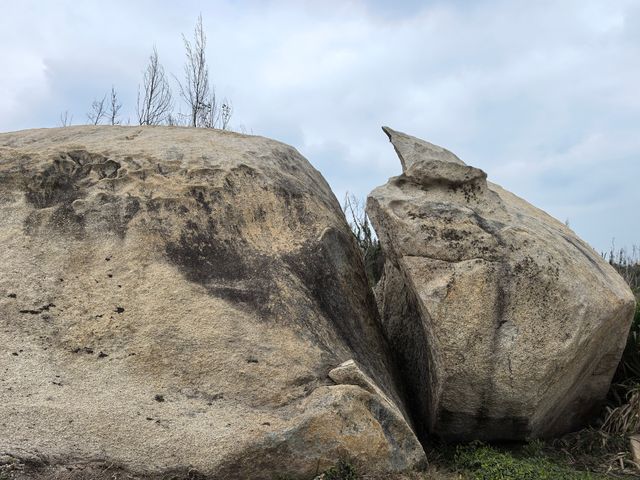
{"x": 507, "y": 325}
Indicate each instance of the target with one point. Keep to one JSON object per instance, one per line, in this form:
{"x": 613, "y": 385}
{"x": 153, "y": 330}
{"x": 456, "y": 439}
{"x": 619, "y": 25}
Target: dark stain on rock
{"x": 238, "y": 176}
{"x": 44, "y": 308}
{"x": 389, "y": 425}
{"x": 108, "y": 169}
{"x": 410, "y": 349}
{"x": 456, "y": 425}
{"x": 228, "y": 269}
{"x": 115, "y": 212}
{"x": 256, "y": 297}
{"x": 327, "y": 269}
{"x": 259, "y": 214}
{"x": 316, "y": 268}
{"x": 65, "y": 220}
{"x": 153, "y": 205}
{"x": 61, "y": 181}
{"x": 203, "y": 258}
{"x": 451, "y": 235}
{"x": 87, "y": 350}
{"x": 54, "y": 185}
{"x": 198, "y": 195}
{"x": 469, "y": 190}
{"x": 584, "y": 251}
{"x": 68, "y": 178}
{"x": 131, "y": 207}
{"x": 292, "y": 196}
{"x": 84, "y": 158}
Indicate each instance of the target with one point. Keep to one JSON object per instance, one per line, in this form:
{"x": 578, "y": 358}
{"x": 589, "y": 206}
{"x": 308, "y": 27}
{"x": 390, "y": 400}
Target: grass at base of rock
{"x": 483, "y": 462}
{"x": 585, "y": 455}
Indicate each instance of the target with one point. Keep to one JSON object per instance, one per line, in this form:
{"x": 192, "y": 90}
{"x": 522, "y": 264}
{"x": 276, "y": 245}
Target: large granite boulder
{"x": 173, "y": 303}
{"x": 506, "y": 324}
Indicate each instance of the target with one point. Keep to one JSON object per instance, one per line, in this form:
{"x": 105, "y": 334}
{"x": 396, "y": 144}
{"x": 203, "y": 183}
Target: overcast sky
{"x": 544, "y": 96}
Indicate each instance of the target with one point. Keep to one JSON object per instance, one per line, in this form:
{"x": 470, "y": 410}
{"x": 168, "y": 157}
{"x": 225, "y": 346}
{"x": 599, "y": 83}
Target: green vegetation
{"x": 484, "y": 462}
{"x": 621, "y": 416}
{"x": 627, "y": 263}
{"x": 343, "y": 470}
{"x": 627, "y": 377}
{"x": 358, "y": 220}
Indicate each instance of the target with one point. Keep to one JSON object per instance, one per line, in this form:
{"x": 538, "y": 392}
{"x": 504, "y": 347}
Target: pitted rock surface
{"x": 171, "y": 303}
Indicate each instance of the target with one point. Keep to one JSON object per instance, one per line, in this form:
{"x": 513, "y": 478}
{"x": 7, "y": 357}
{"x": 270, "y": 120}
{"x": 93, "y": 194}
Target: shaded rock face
{"x": 172, "y": 301}
{"x": 506, "y": 325}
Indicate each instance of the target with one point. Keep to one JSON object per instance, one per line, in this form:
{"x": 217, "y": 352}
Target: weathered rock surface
{"x": 507, "y": 325}
{"x": 171, "y": 303}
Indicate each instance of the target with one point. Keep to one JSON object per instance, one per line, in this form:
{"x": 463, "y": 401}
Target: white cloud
{"x": 543, "y": 95}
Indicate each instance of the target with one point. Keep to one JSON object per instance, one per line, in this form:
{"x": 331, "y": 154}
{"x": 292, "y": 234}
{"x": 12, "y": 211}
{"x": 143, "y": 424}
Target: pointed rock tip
{"x": 412, "y": 149}
{"x": 388, "y": 131}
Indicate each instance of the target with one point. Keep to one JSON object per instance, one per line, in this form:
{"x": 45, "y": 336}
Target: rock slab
{"x": 507, "y": 325}
{"x": 172, "y": 301}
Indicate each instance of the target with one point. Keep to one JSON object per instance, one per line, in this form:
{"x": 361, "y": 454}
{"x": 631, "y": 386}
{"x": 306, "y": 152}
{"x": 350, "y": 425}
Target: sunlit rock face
{"x": 506, "y": 325}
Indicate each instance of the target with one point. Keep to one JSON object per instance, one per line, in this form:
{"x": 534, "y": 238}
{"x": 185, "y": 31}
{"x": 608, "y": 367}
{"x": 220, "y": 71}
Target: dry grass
{"x": 595, "y": 450}
{"x": 624, "y": 419}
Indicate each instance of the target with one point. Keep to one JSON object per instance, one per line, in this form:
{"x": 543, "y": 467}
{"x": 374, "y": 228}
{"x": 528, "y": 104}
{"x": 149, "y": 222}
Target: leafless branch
{"x": 212, "y": 114}
{"x": 97, "y": 111}
{"x": 227, "y": 111}
{"x": 65, "y": 119}
{"x": 195, "y": 90}
{"x": 155, "y": 101}
{"x": 114, "y": 108}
